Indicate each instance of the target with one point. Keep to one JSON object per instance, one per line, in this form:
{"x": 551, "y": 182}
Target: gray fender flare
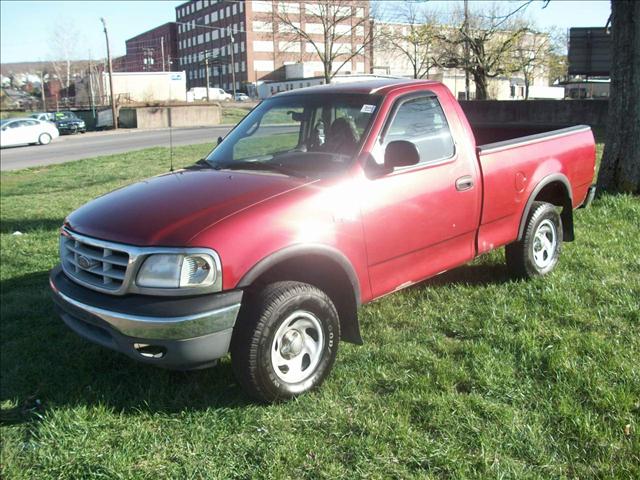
{"x": 349, "y": 320}
{"x": 567, "y": 210}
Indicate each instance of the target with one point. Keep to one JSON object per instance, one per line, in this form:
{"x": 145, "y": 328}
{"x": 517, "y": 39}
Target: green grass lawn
{"x": 470, "y": 374}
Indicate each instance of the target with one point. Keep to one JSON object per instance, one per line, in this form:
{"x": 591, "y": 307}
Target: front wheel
{"x": 285, "y": 341}
{"x": 538, "y": 252}
{"x": 44, "y": 139}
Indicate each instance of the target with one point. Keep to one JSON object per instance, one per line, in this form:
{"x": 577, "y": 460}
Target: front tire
{"x": 285, "y": 341}
{"x": 44, "y": 139}
{"x": 538, "y": 252}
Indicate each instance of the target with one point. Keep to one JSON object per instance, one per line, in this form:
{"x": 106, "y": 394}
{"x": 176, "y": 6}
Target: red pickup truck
{"x": 320, "y": 200}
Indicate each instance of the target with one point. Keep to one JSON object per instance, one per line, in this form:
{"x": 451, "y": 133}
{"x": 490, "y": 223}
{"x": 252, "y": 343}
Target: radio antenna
{"x": 170, "y": 142}
{"x": 170, "y": 125}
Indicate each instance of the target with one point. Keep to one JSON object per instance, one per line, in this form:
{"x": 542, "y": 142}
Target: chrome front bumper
{"x": 178, "y": 333}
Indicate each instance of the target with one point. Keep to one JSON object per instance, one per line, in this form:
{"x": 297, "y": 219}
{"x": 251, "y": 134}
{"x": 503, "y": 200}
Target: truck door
{"x": 421, "y": 219}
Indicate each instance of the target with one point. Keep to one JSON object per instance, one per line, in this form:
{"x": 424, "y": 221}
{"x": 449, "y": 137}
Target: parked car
{"x": 44, "y": 116}
{"x": 25, "y": 131}
{"x": 242, "y": 97}
{"x": 267, "y": 247}
{"x": 69, "y": 123}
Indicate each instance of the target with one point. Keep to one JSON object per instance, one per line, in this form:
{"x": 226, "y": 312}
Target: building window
{"x": 199, "y": 5}
{"x": 285, "y": 46}
{"x": 263, "y": 65}
{"x": 286, "y": 28}
{"x": 262, "y": 46}
{"x": 234, "y": 10}
{"x": 313, "y": 9}
{"x": 243, "y": 66}
{"x": 287, "y": 7}
{"x": 214, "y": 17}
{"x": 314, "y": 28}
{"x": 242, "y": 46}
{"x": 262, "y": 26}
{"x": 228, "y": 11}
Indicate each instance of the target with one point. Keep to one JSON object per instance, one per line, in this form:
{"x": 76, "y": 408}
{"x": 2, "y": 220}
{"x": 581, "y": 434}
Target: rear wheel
{"x": 44, "y": 139}
{"x": 285, "y": 341}
{"x": 538, "y": 252}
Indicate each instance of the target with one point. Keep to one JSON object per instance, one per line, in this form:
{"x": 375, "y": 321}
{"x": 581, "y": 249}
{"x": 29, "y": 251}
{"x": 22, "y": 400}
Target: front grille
{"x": 93, "y": 264}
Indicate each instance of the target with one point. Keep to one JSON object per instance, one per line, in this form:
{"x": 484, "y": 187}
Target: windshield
{"x": 66, "y": 116}
{"x": 304, "y": 134}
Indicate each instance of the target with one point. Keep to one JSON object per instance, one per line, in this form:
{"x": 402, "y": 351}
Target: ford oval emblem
{"x": 84, "y": 262}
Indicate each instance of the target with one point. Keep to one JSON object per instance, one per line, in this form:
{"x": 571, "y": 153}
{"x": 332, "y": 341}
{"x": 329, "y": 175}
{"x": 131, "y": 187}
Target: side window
{"x": 421, "y": 121}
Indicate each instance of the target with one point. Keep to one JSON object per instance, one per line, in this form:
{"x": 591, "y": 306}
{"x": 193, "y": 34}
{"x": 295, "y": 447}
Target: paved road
{"x": 75, "y": 147}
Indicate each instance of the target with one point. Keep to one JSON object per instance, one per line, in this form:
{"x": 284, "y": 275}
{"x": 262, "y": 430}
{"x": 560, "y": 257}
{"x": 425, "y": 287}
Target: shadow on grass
{"x": 44, "y": 364}
{"x": 482, "y": 274}
{"x": 11, "y": 225}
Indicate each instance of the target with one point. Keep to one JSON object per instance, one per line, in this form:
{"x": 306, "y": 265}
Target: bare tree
{"x": 340, "y": 22}
{"x": 63, "y": 42}
{"x": 490, "y": 39}
{"x": 414, "y": 37}
{"x": 557, "y": 62}
{"x": 620, "y": 167}
{"x": 530, "y": 56}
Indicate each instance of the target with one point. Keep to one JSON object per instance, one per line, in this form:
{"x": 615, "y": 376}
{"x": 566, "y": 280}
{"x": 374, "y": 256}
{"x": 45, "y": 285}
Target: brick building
{"x": 261, "y": 45}
{"x": 151, "y": 51}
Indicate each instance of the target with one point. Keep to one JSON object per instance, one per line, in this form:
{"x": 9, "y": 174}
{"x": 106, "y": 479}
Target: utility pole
{"x": 162, "y": 50}
{"x": 233, "y": 66}
{"x": 206, "y": 71}
{"x": 44, "y": 101}
{"x": 93, "y": 104}
{"x": 466, "y": 49}
{"x": 113, "y": 99}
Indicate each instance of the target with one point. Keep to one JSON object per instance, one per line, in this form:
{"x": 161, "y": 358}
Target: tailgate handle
{"x": 464, "y": 183}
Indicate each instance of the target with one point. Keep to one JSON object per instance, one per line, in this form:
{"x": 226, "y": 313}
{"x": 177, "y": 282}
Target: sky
{"x": 26, "y": 27}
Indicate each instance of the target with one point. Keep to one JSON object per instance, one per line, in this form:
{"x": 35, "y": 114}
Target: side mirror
{"x": 219, "y": 140}
{"x": 401, "y": 153}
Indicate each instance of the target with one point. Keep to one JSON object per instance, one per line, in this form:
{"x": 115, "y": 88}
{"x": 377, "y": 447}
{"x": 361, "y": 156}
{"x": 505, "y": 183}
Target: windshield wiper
{"x": 268, "y": 166}
{"x": 202, "y": 163}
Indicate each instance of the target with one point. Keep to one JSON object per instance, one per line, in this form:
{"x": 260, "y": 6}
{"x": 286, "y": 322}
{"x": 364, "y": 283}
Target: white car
{"x": 24, "y": 131}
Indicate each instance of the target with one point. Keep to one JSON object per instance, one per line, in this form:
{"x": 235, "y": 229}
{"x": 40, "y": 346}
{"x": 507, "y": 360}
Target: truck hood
{"x": 169, "y": 210}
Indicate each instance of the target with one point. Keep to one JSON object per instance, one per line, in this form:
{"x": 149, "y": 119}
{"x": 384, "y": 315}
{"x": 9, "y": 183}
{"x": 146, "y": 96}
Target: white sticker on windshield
{"x": 367, "y": 108}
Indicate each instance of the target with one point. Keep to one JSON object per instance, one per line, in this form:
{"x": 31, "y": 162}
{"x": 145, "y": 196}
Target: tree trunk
{"x": 620, "y": 167}
{"x": 481, "y": 85}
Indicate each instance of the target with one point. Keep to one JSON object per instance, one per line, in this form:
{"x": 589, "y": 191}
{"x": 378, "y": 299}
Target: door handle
{"x": 464, "y": 183}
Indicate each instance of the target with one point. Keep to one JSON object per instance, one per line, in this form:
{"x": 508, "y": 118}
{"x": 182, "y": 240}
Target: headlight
{"x": 177, "y": 271}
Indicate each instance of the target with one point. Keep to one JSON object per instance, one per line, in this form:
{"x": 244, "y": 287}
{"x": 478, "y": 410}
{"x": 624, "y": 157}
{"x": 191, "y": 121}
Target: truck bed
{"x": 486, "y": 134}
{"x": 513, "y": 165}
